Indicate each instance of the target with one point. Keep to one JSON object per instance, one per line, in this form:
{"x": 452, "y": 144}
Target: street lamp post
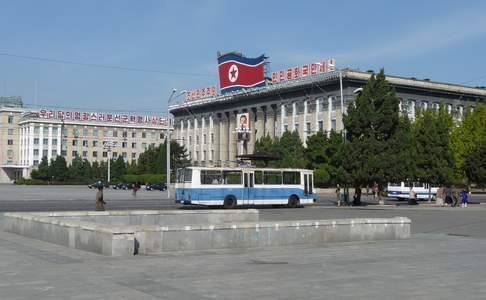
{"x": 171, "y": 97}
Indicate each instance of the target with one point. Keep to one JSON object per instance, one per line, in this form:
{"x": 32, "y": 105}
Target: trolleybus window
{"x": 184, "y": 175}
{"x": 232, "y": 177}
{"x": 291, "y": 177}
{"x": 258, "y": 177}
{"x": 272, "y": 177}
{"x": 211, "y": 177}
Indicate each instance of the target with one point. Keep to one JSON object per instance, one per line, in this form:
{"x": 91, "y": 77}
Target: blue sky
{"x": 440, "y": 40}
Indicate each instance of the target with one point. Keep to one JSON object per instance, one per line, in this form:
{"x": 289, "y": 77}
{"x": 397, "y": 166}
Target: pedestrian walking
{"x": 100, "y": 203}
{"x": 448, "y": 196}
{"x": 375, "y": 190}
{"x": 464, "y": 198}
{"x": 412, "y": 197}
{"x": 135, "y": 189}
{"x": 439, "y": 198}
{"x": 455, "y": 198}
{"x": 338, "y": 194}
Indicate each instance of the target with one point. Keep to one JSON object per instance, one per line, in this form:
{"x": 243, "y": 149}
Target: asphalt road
{"x": 425, "y": 219}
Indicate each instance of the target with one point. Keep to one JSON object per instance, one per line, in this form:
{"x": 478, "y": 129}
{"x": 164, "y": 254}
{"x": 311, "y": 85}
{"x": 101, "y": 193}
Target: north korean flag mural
{"x": 237, "y": 72}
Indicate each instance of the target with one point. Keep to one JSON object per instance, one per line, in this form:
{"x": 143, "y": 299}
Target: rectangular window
{"x": 10, "y": 153}
{"x": 190, "y": 140}
{"x": 36, "y": 162}
{"x": 36, "y": 152}
{"x": 54, "y": 142}
{"x": 161, "y": 136}
{"x": 321, "y": 125}
{"x": 85, "y": 132}
{"x": 74, "y": 153}
{"x": 211, "y": 177}
{"x": 272, "y": 177}
{"x": 75, "y": 132}
{"x": 204, "y": 155}
{"x": 134, "y": 155}
{"x": 95, "y": 132}
{"x": 144, "y": 146}
{"x": 232, "y": 177}
{"x": 124, "y": 144}
{"x": 106, "y": 133}
{"x": 212, "y": 138}
{"x": 85, "y": 143}
{"x": 125, "y": 134}
{"x": 10, "y": 131}
{"x": 296, "y": 127}
{"x": 64, "y": 152}
{"x": 95, "y": 153}
{"x": 36, "y": 141}
{"x": 10, "y": 119}
{"x": 204, "y": 139}
{"x": 45, "y": 141}
{"x": 134, "y": 145}
{"x": 308, "y": 127}
{"x": 291, "y": 177}
{"x": 184, "y": 175}
{"x": 115, "y": 133}
{"x": 124, "y": 155}
{"x": 44, "y": 153}
{"x": 333, "y": 124}
{"x": 36, "y": 130}
{"x": 134, "y": 134}
{"x": 95, "y": 143}
{"x": 115, "y": 154}
{"x": 10, "y": 142}
{"x": 105, "y": 154}
{"x": 54, "y": 130}
{"x": 258, "y": 177}
{"x": 75, "y": 142}
{"x": 85, "y": 153}
{"x": 144, "y": 135}
{"x": 286, "y": 127}
{"x": 54, "y": 152}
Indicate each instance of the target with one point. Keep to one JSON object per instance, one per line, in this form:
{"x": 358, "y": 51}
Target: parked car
{"x": 156, "y": 186}
{"x": 123, "y": 186}
{"x": 96, "y": 184}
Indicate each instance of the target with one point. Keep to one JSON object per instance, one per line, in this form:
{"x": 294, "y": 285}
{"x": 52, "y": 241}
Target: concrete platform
{"x": 125, "y": 233}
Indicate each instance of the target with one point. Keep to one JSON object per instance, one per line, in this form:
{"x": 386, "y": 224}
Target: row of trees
{"x": 152, "y": 161}
{"x": 381, "y": 145}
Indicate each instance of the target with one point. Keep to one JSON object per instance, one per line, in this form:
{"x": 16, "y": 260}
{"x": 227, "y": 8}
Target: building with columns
{"x": 208, "y": 128}
{"x": 28, "y": 135}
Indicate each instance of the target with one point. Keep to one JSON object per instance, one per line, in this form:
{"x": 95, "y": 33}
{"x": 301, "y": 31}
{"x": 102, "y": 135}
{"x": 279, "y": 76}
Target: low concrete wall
{"x": 268, "y": 234}
{"x": 215, "y": 233}
{"x": 156, "y": 217}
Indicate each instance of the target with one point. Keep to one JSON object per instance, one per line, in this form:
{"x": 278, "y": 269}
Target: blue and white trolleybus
{"x": 232, "y": 187}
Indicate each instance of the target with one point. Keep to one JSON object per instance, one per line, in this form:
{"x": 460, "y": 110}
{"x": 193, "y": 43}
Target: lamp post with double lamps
{"x": 171, "y": 97}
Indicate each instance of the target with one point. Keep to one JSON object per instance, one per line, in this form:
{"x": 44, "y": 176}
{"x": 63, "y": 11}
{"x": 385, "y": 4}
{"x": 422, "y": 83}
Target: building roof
{"x": 347, "y": 74}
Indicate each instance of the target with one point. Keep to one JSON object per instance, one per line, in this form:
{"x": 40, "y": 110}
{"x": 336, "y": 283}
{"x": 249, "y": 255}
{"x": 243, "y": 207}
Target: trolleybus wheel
{"x": 229, "y": 202}
{"x": 293, "y": 201}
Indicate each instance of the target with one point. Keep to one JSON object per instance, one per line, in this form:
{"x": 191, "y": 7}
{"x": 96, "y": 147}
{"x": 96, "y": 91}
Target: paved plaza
{"x": 444, "y": 259}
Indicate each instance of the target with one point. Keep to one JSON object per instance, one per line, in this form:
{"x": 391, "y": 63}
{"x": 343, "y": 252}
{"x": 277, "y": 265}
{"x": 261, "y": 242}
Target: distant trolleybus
{"x": 402, "y": 190}
{"x": 231, "y": 187}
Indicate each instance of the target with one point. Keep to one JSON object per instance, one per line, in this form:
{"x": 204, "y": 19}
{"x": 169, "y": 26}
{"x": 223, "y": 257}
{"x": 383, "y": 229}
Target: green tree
{"x": 266, "y": 146}
{"x": 371, "y": 123}
{"x": 475, "y": 164}
{"x": 76, "y": 169}
{"x": 324, "y": 155}
{"x": 58, "y": 169}
{"x": 291, "y": 151}
{"x": 433, "y": 158}
{"x": 466, "y": 136}
{"x": 42, "y": 171}
{"x": 118, "y": 168}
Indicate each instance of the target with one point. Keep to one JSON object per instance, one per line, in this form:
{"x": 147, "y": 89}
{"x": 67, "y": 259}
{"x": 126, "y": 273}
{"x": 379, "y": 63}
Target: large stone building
{"x": 208, "y": 128}
{"x": 28, "y": 135}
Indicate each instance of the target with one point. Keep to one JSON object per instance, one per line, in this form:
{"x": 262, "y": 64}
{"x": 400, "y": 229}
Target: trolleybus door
{"x": 248, "y": 194}
{"x": 308, "y": 190}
